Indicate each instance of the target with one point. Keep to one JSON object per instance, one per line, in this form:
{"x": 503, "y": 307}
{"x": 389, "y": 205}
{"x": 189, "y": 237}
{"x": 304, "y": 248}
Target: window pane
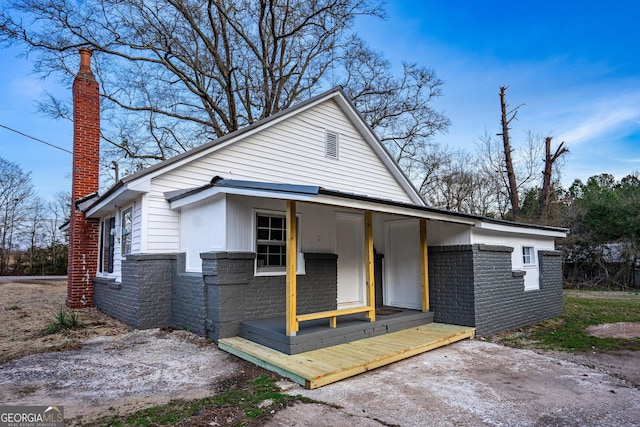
{"x": 263, "y": 221}
{"x": 277, "y": 222}
{"x": 277, "y": 235}
{"x": 263, "y": 234}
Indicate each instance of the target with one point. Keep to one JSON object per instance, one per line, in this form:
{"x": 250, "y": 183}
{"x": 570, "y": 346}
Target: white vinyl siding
{"x": 137, "y": 228}
{"x": 292, "y": 152}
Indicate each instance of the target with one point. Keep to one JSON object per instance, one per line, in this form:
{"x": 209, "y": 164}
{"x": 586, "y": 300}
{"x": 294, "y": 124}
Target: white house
{"x": 302, "y": 215}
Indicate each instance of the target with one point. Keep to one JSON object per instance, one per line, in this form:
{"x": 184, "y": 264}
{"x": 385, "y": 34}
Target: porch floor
{"x": 316, "y": 334}
{"x": 313, "y": 369}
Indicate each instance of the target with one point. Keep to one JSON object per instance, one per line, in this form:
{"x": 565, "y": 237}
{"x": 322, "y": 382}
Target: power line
{"x": 36, "y": 139}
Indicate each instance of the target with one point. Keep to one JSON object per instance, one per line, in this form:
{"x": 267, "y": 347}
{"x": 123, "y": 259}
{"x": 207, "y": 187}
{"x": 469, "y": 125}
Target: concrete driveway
{"x": 467, "y": 383}
{"x": 472, "y": 383}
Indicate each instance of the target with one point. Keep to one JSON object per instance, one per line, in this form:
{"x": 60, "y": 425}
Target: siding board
{"x": 291, "y": 151}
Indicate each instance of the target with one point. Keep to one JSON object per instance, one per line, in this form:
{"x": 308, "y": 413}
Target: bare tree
{"x": 187, "y": 71}
{"x": 452, "y": 179}
{"x": 507, "y": 116}
{"x": 16, "y": 192}
{"x": 549, "y": 161}
{"x": 398, "y": 109}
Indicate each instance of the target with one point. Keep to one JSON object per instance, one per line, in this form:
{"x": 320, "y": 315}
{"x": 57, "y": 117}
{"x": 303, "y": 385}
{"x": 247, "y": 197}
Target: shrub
{"x": 64, "y": 320}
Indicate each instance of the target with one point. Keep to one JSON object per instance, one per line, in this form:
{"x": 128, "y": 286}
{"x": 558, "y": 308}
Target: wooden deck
{"x": 316, "y": 368}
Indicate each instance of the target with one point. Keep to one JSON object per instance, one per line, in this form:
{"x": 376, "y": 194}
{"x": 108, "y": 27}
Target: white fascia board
{"x": 215, "y": 192}
{"x": 391, "y": 209}
{"x": 515, "y": 228}
{"x": 140, "y": 185}
{"x": 323, "y": 199}
{"x": 121, "y": 196}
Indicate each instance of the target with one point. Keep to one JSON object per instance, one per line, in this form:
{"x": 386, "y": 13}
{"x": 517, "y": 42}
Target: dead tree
{"x": 506, "y": 118}
{"x": 549, "y": 160}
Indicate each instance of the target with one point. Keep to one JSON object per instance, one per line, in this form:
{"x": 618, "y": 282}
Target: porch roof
{"x": 316, "y": 194}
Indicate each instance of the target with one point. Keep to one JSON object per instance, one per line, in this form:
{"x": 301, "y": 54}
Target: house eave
{"x": 313, "y": 194}
{"x": 119, "y": 195}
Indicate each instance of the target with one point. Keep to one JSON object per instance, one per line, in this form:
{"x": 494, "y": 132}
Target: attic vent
{"x": 331, "y": 145}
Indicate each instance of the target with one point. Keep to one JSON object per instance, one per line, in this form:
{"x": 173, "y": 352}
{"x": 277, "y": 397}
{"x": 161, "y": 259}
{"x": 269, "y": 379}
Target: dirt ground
{"x": 27, "y": 307}
{"x": 107, "y": 368}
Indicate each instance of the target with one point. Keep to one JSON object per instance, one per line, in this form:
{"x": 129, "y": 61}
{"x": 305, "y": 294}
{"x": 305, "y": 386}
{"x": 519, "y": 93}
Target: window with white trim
{"x": 271, "y": 247}
{"x": 107, "y": 244}
{"x": 528, "y": 255}
{"x": 127, "y": 228}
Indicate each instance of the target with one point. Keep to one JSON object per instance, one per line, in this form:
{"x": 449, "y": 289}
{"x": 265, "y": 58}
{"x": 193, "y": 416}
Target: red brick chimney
{"x": 83, "y": 232}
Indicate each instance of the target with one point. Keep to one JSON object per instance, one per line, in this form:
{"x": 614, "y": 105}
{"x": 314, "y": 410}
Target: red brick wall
{"x": 84, "y": 232}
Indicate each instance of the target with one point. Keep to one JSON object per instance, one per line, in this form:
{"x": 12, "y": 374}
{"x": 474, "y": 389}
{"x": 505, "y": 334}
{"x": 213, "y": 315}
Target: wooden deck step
{"x": 327, "y": 365}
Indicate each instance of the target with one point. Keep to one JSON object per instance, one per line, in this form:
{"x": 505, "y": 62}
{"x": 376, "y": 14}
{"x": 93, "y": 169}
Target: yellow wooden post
{"x": 292, "y": 322}
{"x": 424, "y": 264}
{"x": 368, "y": 244}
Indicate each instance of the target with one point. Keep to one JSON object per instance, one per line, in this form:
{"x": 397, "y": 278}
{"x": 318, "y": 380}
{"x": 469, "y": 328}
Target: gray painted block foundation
{"x": 470, "y": 285}
{"x": 474, "y": 285}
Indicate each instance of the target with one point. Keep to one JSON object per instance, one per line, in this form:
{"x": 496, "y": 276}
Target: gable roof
{"x": 135, "y": 183}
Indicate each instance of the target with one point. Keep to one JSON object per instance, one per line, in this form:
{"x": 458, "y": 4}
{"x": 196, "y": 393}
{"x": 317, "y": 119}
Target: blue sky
{"x": 574, "y": 64}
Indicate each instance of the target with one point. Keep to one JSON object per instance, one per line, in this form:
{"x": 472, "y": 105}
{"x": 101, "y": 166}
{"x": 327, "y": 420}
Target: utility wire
{"x": 36, "y": 139}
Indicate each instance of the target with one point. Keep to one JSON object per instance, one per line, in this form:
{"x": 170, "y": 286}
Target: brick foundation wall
{"x": 234, "y": 294}
{"x": 143, "y": 299}
{"x": 451, "y": 290}
{"x": 501, "y": 301}
{"x": 188, "y": 301}
{"x": 474, "y": 285}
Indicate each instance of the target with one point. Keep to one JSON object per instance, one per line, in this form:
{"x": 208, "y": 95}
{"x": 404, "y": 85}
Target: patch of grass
{"x": 567, "y": 332}
{"x": 64, "y": 320}
{"x": 27, "y": 391}
{"x": 232, "y": 406}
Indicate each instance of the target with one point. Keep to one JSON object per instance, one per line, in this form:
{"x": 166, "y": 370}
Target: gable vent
{"x": 331, "y": 145}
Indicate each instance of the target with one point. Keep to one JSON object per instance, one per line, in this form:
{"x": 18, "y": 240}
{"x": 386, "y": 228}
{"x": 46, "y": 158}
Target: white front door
{"x": 350, "y": 250}
{"x": 402, "y": 275}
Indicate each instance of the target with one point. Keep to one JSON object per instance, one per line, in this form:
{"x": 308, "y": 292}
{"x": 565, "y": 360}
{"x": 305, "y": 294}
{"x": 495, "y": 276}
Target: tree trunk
{"x": 512, "y": 188}
{"x": 549, "y": 160}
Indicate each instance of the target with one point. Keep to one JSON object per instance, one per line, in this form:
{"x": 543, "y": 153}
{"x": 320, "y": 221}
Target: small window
{"x": 271, "y": 245}
{"x": 331, "y": 145}
{"x": 127, "y": 228}
{"x": 528, "y": 257}
{"x": 107, "y": 240}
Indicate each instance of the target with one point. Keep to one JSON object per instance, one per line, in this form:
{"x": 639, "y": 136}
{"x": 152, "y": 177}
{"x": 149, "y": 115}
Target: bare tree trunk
{"x": 549, "y": 160}
{"x": 506, "y": 118}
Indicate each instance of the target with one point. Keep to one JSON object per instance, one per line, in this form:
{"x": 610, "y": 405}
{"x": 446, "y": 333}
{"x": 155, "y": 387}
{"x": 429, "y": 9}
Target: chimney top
{"x": 85, "y": 60}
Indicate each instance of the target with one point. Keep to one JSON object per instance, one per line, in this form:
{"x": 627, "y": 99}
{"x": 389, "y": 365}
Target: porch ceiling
{"x": 316, "y": 368}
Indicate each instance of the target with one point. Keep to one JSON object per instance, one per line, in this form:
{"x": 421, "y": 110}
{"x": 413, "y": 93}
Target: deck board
{"x": 316, "y": 368}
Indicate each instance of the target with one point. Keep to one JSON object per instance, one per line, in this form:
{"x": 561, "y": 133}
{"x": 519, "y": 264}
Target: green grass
{"x": 247, "y": 403}
{"x": 64, "y": 319}
{"x": 581, "y": 310}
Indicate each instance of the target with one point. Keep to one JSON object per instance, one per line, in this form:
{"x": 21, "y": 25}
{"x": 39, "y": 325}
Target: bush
{"x": 64, "y": 320}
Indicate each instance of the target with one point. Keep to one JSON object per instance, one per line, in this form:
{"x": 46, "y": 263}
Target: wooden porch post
{"x": 424, "y": 265}
{"x": 291, "y": 248}
{"x": 368, "y": 245}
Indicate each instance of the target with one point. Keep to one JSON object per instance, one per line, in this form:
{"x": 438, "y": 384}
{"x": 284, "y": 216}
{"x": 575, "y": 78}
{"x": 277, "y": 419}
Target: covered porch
{"x": 322, "y": 347}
